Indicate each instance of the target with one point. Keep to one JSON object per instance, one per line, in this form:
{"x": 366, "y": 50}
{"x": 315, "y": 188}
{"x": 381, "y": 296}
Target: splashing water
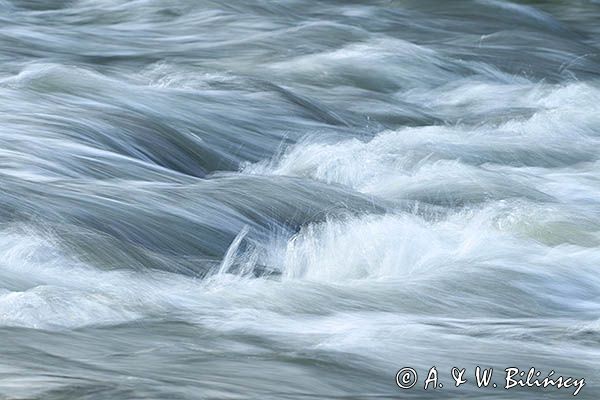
{"x": 296, "y": 199}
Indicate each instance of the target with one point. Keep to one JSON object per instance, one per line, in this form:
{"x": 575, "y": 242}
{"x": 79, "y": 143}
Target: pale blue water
{"x": 295, "y": 199}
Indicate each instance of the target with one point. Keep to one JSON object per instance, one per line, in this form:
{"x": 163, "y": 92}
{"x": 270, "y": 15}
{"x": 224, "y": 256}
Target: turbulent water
{"x": 295, "y": 199}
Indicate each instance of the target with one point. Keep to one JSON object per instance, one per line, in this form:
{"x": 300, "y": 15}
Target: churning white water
{"x": 296, "y": 199}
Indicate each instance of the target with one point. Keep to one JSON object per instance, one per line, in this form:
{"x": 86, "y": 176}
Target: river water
{"x": 295, "y": 199}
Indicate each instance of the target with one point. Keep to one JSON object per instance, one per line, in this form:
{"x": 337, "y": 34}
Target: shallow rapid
{"x": 295, "y": 199}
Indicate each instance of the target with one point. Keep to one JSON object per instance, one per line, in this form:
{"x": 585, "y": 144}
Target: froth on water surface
{"x": 296, "y": 199}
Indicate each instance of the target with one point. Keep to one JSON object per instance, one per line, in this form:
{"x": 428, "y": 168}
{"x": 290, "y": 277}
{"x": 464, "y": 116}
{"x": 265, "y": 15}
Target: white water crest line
{"x": 232, "y": 251}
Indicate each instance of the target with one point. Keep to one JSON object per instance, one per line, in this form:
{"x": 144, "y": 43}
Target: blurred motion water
{"x": 295, "y": 199}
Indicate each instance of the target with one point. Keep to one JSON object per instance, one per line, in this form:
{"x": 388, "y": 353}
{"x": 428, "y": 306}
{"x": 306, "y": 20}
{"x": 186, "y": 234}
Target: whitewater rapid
{"x": 296, "y": 199}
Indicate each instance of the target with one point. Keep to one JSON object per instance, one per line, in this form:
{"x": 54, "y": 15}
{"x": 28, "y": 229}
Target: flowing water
{"x": 295, "y": 199}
